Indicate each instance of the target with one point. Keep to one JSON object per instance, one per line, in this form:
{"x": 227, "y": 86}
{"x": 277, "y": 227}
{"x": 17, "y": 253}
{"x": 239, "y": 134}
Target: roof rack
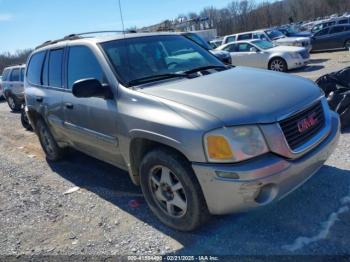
{"x": 80, "y": 36}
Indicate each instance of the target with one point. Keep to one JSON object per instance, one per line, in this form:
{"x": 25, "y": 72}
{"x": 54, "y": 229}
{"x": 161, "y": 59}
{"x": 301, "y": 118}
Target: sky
{"x": 28, "y": 23}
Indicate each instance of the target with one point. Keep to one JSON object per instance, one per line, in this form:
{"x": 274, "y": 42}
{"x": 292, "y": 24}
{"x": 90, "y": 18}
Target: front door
{"x": 90, "y": 123}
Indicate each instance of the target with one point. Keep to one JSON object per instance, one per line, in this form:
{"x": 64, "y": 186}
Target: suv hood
{"x": 281, "y": 48}
{"x": 240, "y": 95}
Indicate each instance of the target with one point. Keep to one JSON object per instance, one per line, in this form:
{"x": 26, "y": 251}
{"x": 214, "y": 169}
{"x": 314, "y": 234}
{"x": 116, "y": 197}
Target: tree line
{"x": 8, "y": 59}
{"x": 245, "y": 15}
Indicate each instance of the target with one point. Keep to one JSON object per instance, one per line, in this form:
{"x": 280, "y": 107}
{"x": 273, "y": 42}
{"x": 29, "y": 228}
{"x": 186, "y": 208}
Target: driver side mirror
{"x": 91, "y": 87}
{"x": 254, "y": 50}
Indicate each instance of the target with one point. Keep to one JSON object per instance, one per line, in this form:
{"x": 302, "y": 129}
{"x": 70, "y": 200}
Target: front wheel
{"x": 172, "y": 191}
{"x": 25, "y": 121}
{"x": 278, "y": 64}
{"x": 52, "y": 150}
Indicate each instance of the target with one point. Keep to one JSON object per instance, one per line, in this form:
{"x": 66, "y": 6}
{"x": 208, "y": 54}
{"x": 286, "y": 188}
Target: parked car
{"x": 222, "y": 55}
{"x": 330, "y": 22}
{"x": 1, "y": 90}
{"x": 271, "y": 35}
{"x": 12, "y": 84}
{"x": 180, "y": 121}
{"x": 334, "y": 37}
{"x": 263, "y": 54}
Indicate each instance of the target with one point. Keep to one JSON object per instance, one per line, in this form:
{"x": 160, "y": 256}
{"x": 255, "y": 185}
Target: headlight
{"x": 294, "y": 55}
{"x": 228, "y": 145}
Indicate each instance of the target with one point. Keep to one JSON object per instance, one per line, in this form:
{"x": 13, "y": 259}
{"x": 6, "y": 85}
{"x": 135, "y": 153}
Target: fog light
{"x": 228, "y": 175}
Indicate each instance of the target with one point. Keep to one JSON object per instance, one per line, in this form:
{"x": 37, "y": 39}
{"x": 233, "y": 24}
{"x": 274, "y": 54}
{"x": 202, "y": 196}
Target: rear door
{"x": 321, "y": 40}
{"x": 336, "y": 34}
{"x": 90, "y": 123}
{"x": 246, "y": 57}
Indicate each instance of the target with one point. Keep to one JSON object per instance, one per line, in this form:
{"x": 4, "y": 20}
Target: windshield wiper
{"x": 198, "y": 69}
{"x": 154, "y": 78}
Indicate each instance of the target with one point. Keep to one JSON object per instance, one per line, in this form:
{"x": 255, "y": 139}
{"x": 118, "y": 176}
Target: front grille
{"x": 291, "y": 126}
{"x": 304, "y": 54}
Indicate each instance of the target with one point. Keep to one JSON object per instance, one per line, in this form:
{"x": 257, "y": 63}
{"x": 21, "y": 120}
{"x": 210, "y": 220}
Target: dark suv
{"x": 198, "y": 136}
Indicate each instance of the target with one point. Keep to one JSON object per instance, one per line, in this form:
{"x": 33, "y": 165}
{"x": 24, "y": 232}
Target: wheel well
{"x": 277, "y": 57}
{"x": 139, "y": 147}
{"x": 34, "y": 116}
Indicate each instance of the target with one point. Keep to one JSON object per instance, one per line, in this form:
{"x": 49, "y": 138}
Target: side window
{"x": 34, "y": 68}
{"x": 55, "y": 68}
{"x": 22, "y": 75}
{"x": 343, "y": 21}
{"x": 337, "y": 29}
{"x": 230, "y": 48}
{"x": 245, "y": 37}
{"x": 243, "y": 47}
{"x": 231, "y": 39}
{"x": 15, "y": 75}
{"x": 322, "y": 32}
{"x": 82, "y": 64}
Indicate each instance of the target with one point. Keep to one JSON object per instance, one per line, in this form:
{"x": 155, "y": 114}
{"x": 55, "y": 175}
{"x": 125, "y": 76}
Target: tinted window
{"x": 244, "y": 47}
{"x": 245, "y": 37}
{"x": 34, "y": 68}
{"x": 343, "y": 21}
{"x": 337, "y": 29}
{"x": 55, "y": 68}
{"x": 322, "y": 32}
{"x": 22, "y": 74}
{"x": 14, "y": 75}
{"x": 83, "y": 64}
{"x": 230, "y": 48}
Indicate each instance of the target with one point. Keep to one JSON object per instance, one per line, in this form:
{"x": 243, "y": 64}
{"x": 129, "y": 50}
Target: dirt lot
{"x": 36, "y": 217}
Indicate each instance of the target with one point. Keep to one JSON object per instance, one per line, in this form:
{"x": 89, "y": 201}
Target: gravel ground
{"x": 37, "y": 218}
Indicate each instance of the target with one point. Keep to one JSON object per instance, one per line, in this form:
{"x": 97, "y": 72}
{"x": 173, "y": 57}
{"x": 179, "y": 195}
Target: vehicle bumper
{"x": 263, "y": 180}
{"x": 297, "y": 63}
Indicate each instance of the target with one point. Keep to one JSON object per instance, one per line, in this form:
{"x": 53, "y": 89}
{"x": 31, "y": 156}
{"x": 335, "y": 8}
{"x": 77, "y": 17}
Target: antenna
{"x": 121, "y": 16}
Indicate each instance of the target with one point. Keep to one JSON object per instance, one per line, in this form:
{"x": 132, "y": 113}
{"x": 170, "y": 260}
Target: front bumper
{"x": 263, "y": 180}
{"x": 297, "y": 63}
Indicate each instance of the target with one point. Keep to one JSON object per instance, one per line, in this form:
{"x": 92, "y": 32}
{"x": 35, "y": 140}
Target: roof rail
{"x": 80, "y": 36}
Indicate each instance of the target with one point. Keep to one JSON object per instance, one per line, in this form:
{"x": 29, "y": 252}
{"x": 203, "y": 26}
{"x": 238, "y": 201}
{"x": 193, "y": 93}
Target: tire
{"x": 347, "y": 44}
{"x": 167, "y": 178}
{"x": 25, "y": 121}
{"x": 278, "y": 64}
{"x": 13, "y": 104}
{"x": 52, "y": 151}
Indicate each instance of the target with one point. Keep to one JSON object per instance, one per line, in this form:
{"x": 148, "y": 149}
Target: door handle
{"x": 39, "y": 99}
{"x": 69, "y": 105}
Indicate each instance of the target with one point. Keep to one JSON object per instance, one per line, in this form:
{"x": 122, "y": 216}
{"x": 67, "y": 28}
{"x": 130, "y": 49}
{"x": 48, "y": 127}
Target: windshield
{"x": 263, "y": 44}
{"x": 274, "y": 34}
{"x": 199, "y": 40}
{"x": 144, "y": 57}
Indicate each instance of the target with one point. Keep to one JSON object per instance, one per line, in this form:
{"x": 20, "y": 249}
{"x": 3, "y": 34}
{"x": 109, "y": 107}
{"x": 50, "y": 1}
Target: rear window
{"x": 34, "y": 68}
{"x": 55, "y": 68}
{"x": 15, "y": 75}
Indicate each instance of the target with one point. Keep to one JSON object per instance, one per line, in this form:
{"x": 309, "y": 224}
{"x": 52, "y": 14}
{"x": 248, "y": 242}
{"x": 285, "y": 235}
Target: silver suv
{"x": 199, "y": 137}
{"x": 12, "y": 84}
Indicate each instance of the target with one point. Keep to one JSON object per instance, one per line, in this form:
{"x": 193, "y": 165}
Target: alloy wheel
{"x": 46, "y": 141}
{"x": 168, "y": 191}
{"x": 277, "y": 65}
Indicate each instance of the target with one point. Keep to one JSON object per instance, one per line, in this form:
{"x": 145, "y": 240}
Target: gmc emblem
{"x": 306, "y": 123}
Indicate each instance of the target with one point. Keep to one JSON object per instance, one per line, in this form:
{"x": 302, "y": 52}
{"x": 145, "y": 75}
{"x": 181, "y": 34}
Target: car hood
{"x": 292, "y": 39}
{"x": 240, "y": 95}
{"x": 301, "y": 34}
{"x": 282, "y": 48}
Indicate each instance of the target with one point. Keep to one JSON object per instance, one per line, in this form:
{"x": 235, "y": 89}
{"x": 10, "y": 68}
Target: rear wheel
{"x": 278, "y": 64}
{"x": 25, "y": 121}
{"x": 52, "y": 150}
{"x": 13, "y": 104}
{"x": 347, "y": 44}
{"x": 172, "y": 190}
